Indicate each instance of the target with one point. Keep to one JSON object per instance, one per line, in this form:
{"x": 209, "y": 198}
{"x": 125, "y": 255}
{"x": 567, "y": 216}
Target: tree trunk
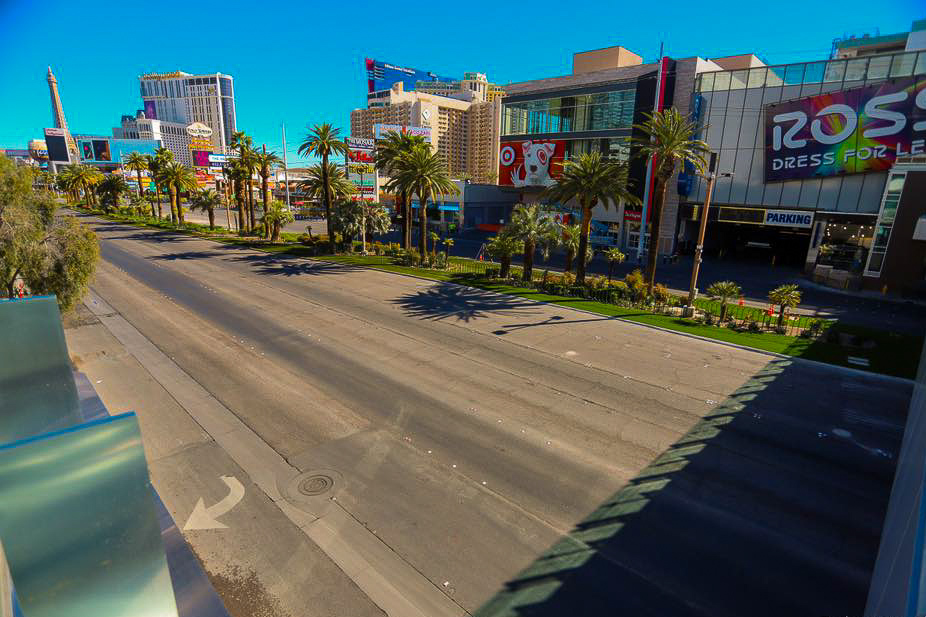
{"x": 157, "y": 196}
{"x": 723, "y": 311}
{"x": 610, "y": 270}
{"x": 211, "y": 218}
{"x": 239, "y": 201}
{"x": 583, "y": 243}
{"x": 265, "y": 187}
{"x": 528, "y": 261}
{"x": 276, "y": 232}
{"x": 423, "y": 224}
{"x": 652, "y": 253}
{"x": 400, "y": 209}
{"x": 407, "y": 215}
{"x": 172, "y": 192}
{"x": 326, "y": 201}
{"x": 251, "y": 217}
{"x": 781, "y": 314}
{"x": 180, "y": 216}
{"x": 569, "y": 258}
{"x": 504, "y": 266}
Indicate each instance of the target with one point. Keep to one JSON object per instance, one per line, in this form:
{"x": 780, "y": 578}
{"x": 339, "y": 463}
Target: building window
{"x": 587, "y": 112}
{"x": 882, "y": 235}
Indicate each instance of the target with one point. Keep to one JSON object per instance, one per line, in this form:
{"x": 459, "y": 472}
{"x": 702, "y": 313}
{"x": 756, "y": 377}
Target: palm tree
{"x": 571, "y": 241}
{"x": 266, "y": 162}
{"x": 162, "y": 156}
{"x": 614, "y": 256}
{"x": 111, "y": 189}
{"x": 532, "y": 226}
{"x": 669, "y": 141}
{"x": 243, "y": 142}
{"x": 322, "y": 140}
{"x": 338, "y": 188}
{"x": 502, "y": 246}
{"x": 237, "y": 173}
{"x": 424, "y": 173}
{"x": 138, "y": 162}
{"x": 388, "y": 150}
{"x": 724, "y": 291}
{"x": 591, "y": 179}
{"x": 85, "y": 178}
{"x": 206, "y": 200}
{"x": 785, "y": 296}
{"x": 275, "y": 217}
{"x": 178, "y": 178}
{"x": 66, "y": 182}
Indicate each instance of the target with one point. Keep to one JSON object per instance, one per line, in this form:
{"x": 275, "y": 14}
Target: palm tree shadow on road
{"x": 771, "y": 505}
{"x": 445, "y": 301}
{"x": 284, "y": 265}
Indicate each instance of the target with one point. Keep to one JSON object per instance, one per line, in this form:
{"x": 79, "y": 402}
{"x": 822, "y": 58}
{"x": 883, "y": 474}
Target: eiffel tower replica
{"x": 57, "y": 112}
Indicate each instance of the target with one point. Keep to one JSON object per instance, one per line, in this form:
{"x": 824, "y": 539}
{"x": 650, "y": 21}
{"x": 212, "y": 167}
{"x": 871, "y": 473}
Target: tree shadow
{"x": 188, "y": 255}
{"x": 771, "y": 505}
{"x": 284, "y": 265}
{"x": 446, "y": 301}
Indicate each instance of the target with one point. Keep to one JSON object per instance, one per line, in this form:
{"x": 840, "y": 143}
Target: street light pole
{"x": 699, "y": 248}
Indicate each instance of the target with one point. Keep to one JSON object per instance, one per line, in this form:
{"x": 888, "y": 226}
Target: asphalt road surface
{"x": 419, "y": 448}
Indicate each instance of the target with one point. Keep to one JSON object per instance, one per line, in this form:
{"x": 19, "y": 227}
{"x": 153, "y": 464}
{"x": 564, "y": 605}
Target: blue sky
{"x": 303, "y": 64}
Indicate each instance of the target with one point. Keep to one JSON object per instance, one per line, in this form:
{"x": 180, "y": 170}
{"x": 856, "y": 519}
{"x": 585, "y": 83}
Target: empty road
{"x": 430, "y": 449}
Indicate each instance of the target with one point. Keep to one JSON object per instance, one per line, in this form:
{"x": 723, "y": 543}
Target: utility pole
{"x": 699, "y": 248}
{"x": 285, "y": 167}
{"x": 649, "y": 167}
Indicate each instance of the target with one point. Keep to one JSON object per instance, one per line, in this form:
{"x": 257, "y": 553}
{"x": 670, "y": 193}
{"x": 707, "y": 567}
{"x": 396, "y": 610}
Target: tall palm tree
{"x": 330, "y": 181}
{"x": 178, "y": 178}
{"x": 162, "y": 156}
{"x": 591, "y": 179}
{"x": 532, "y": 226}
{"x": 424, "y": 173}
{"x": 244, "y": 143}
{"x": 388, "y": 150}
{"x": 669, "y": 141}
{"x": 266, "y": 162}
{"x": 138, "y": 162}
{"x": 206, "y": 200}
{"x": 66, "y": 181}
{"x": 323, "y": 140}
{"x": 237, "y": 173}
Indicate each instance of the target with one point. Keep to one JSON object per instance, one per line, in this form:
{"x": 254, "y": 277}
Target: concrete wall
{"x": 600, "y": 59}
{"x": 902, "y": 537}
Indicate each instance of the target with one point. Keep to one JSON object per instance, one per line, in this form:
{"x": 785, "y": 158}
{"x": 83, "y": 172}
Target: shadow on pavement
{"x": 444, "y": 301}
{"x": 188, "y": 255}
{"x": 283, "y": 265}
{"x": 771, "y": 505}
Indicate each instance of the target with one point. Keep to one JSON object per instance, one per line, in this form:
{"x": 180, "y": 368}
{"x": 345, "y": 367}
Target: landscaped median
{"x": 831, "y": 342}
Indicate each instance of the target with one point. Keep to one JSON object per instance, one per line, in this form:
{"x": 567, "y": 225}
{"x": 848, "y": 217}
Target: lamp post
{"x": 699, "y": 248}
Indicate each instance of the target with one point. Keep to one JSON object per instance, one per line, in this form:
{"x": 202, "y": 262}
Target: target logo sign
{"x": 507, "y": 155}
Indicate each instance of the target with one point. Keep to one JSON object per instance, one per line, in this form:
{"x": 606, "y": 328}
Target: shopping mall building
{"x": 810, "y": 147}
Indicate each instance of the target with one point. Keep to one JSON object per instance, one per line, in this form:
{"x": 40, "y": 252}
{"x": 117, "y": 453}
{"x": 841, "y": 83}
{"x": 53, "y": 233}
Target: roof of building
{"x": 864, "y": 41}
{"x": 577, "y": 81}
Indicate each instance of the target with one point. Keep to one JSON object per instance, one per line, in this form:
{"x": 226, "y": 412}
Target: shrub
{"x": 661, "y": 294}
{"x": 412, "y": 257}
{"x": 708, "y": 319}
{"x": 753, "y": 326}
{"x": 636, "y": 285}
{"x": 441, "y": 260}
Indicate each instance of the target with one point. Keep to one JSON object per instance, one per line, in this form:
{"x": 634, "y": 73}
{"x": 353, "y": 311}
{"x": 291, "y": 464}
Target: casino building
{"x": 811, "y": 147}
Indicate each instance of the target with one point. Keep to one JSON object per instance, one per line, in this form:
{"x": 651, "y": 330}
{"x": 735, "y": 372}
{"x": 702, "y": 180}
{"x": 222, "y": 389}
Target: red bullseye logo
{"x": 507, "y": 155}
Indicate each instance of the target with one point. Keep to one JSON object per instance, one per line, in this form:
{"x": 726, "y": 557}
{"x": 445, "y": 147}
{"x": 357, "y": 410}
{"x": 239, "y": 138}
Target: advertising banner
{"x": 360, "y": 143}
{"x": 201, "y": 158}
{"x": 94, "y": 150}
{"x": 150, "y": 111}
{"x": 101, "y": 150}
{"x": 530, "y": 163}
{"x": 852, "y": 131}
{"x": 217, "y": 158}
{"x": 380, "y": 130}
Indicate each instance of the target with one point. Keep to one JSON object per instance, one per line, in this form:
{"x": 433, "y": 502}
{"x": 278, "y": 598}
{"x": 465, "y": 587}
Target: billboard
{"x": 530, "y": 163}
{"x": 359, "y": 166}
{"x": 122, "y": 148}
{"x": 201, "y": 158}
{"x": 150, "y": 110}
{"x": 56, "y": 141}
{"x": 380, "y": 130}
{"x": 382, "y": 76}
{"x": 850, "y": 131}
{"x": 94, "y": 150}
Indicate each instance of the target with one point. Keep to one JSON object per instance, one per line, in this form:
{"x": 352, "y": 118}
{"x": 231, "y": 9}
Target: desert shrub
{"x": 412, "y": 258}
{"x": 661, "y": 294}
{"x": 636, "y": 285}
{"x": 440, "y": 261}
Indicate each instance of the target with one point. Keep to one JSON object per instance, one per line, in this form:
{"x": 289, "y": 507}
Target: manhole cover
{"x": 315, "y": 484}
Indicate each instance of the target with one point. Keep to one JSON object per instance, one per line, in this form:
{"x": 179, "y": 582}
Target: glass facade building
{"x": 569, "y": 114}
{"x": 731, "y": 106}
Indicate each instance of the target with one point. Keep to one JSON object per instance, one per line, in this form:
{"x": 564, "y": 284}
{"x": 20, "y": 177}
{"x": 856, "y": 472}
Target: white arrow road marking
{"x": 205, "y": 518}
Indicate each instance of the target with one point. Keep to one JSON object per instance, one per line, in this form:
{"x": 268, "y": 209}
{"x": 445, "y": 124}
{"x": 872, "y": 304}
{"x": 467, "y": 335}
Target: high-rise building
{"x": 382, "y": 76}
{"x": 477, "y": 83}
{"x": 172, "y": 135}
{"x": 464, "y": 124}
{"x": 57, "y": 111}
{"x": 183, "y": 98}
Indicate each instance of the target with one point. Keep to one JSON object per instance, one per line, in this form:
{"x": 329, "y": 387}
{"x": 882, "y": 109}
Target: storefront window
{"x": 845, "y": 245}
